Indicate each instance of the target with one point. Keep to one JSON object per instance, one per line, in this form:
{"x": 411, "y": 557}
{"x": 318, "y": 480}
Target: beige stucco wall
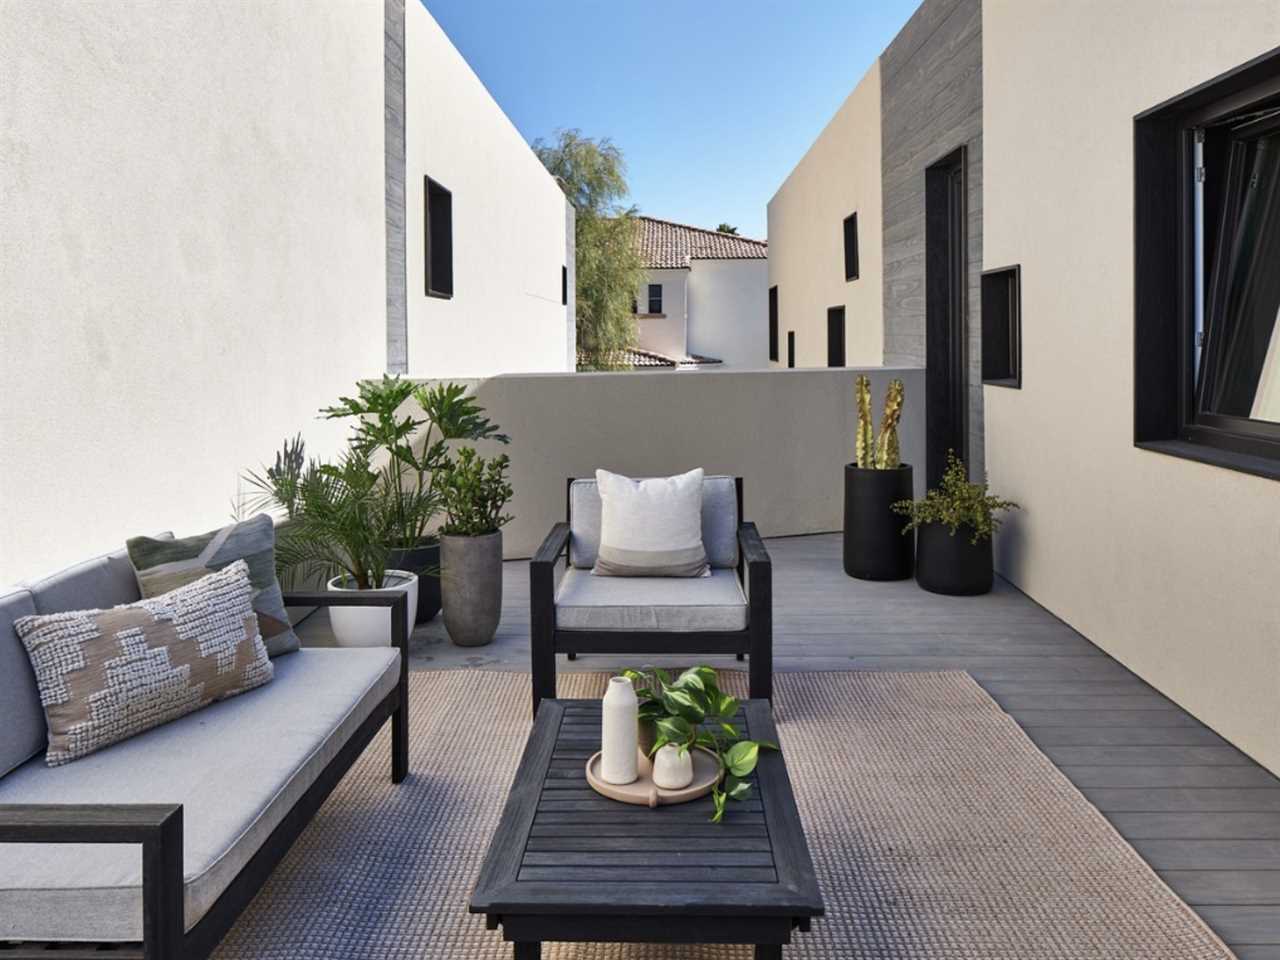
{"x": 840, "y": 174}
{"x": 661, "y": 423}
{"x": 510, "y": 229}
{"x": 1169, "y": 565}
{"x": 191, "y": 256}
{"x": 668, "y": 332}
{"x": 729, "y": 311}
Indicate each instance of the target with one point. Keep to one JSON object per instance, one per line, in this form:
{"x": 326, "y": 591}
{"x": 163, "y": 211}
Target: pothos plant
{"x": 692, "y": 711}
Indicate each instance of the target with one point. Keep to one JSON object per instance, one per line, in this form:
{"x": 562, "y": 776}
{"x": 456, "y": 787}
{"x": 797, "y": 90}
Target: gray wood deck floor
{"x": 1204, "y": 815}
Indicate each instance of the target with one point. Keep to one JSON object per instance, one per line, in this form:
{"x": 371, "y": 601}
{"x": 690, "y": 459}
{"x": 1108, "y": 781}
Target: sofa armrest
{"x": 542, "y": 612}
{"x": 156, "y": 827}
{"x": 752, "y": 546}
{"x": 397, "y": 600}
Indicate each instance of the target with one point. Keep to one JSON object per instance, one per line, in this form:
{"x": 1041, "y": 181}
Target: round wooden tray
{"x": 645, "y": 793}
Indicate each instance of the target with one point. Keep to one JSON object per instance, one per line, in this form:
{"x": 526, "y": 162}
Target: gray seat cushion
{"x": 22, "y": 727}
{"x": 237, "y": 767}
{"x": 719, "y": 522}
{"x": 674, "y": 604}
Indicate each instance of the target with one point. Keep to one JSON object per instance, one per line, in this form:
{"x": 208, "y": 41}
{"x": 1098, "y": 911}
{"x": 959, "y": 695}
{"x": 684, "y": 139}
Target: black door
{"x": 946, "y": 301}
{"x": 835, "y": 336}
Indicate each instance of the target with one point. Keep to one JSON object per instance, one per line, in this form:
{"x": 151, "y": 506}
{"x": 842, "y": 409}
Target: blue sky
{"x": 711, "y": 101}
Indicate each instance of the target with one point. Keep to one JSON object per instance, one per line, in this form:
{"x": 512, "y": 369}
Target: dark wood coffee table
{"x": 568, "y": 864}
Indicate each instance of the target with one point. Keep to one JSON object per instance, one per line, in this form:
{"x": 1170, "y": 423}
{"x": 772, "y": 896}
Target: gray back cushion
{"x": 719, "y": 522}
{"x": 22, "y": 728}
{"x": 95, "y": 584}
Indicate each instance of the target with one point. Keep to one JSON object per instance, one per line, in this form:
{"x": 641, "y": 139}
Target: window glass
{"x": 655, "y": 298}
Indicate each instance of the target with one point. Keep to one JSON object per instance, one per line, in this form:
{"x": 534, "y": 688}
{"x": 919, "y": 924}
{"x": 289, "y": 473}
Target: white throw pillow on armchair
{"x": 651, "y": 528}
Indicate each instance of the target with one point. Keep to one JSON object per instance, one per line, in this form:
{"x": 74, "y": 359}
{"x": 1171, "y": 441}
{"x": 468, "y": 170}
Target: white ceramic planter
{"x": 371, "y": 626}
{"x": 673, "y": 770}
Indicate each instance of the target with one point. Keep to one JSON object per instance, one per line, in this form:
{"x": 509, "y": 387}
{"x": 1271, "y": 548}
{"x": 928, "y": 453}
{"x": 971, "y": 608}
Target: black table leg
{"x": 768, "y": 951}
{"x": 529, "y": 950}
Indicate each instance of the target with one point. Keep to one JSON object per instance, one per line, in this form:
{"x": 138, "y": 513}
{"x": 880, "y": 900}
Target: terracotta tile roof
{"x": 666, "y": 245}
{"x": 648, "y": 360}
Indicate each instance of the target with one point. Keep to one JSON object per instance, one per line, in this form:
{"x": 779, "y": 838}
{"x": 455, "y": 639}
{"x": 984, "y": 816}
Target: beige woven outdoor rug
{"x": 938, "y": 831}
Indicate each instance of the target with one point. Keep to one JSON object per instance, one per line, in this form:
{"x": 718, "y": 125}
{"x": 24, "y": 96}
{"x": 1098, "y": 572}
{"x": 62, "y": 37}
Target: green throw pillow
{"x": 163, "y": 565}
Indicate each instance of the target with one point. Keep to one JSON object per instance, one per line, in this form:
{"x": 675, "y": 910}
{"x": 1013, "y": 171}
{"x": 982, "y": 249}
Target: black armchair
{"x": 754, "y": 576}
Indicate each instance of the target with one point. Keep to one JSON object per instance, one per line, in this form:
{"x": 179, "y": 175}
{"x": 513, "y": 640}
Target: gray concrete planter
{"x": 471, "y": 587}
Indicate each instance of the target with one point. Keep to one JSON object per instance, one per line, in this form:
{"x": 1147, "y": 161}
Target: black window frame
{"x": 791, "y": 349}
{"x": 1166, "y": 419}
{"x": 652, "y": 299}
{"x": 773, "y": 323}
{"x": 850, "y": 229}
{"x": 564, "y": 286}
{"x": 836, "y": 357}
{"x": 437, "y": 234}
{"x": 1002, "y": 288}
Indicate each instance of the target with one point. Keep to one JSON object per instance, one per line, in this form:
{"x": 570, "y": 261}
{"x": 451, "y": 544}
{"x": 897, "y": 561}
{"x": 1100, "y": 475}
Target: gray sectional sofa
{"x": 214, "y": 799}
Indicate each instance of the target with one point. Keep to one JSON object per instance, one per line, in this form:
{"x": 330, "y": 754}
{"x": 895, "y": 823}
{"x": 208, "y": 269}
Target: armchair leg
{"x": 400, "y": 739}
{"x": 542, "y": 633}
{"x": 741, "y": 657}
{"x": 572, "y": 656}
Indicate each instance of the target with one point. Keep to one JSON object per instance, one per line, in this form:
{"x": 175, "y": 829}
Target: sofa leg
{"x": 741, "y": 657}
{"x": 572, "y": 656}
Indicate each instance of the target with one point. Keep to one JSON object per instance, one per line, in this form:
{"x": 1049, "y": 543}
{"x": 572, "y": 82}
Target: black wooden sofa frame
{"x": 158, "y": 827}
{"x": 755, "y": 574}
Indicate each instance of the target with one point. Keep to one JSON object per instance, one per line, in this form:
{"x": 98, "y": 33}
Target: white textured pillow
{"x": 651, "y": 528}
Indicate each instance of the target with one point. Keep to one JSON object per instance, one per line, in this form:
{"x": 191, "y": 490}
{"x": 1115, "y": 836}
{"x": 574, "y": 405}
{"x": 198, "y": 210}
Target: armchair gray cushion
{"x": 719, "y": 522}
{"x": 673, "y": 604}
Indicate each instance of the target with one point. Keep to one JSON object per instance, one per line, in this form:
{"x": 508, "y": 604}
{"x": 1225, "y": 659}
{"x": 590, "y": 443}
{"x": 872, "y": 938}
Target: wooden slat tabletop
{"x": 560, "y": 846}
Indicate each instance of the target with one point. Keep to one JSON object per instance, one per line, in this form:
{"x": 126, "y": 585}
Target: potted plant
{"x": 691, "y": 711}
{"x": 954, "y": 523}
{"x": 474, "y": 492}
{"x": 874, "y": 549}
{"x": 336, "y": 527}
{"x": 381, "y": 430}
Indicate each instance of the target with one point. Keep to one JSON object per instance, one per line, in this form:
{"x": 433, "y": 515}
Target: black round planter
{"x": 953, "y": 565}
{"x": 425, "y": 562}
{"x": 875, "y": 547}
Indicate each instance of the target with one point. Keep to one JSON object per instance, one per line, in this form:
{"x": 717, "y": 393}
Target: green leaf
{"x": 741, "y": 758}
{"x": 730, "y": 729}
{"x": 685, "y": 703}
{"x": 675, "y": 729}
{"x": 726, "y": 706}
{"x": 739, "y": 791}
{"x": 718, "y": 798}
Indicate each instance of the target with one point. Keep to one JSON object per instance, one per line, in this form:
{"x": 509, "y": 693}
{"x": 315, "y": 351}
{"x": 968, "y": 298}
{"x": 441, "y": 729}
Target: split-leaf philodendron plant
{"x": 880, "y": 453}
{"x": 691, "y": 711}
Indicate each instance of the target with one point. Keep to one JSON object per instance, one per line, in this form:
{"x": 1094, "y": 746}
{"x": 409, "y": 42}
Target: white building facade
{"x": 705, "y": 296}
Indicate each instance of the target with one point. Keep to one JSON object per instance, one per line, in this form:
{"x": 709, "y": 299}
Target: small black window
{"x": 564, "y": 286}
{"x": 773, "y": 323}
{"x": 791, "y": 348}
{"x": 851, "y": 247}
{"x": 438, "y": 232}
{"x": 835, "y": 336}
{"x": 655, "y": 298}
{"x": 1207, "y": 291}
{"x": 1002, "y": 327}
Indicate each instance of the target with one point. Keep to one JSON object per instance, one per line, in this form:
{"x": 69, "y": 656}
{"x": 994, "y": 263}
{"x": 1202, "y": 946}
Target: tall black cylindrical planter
{"x": 425, "y": 562}
{"x": 874, "y": 545}
{"x": 953, "y": 565}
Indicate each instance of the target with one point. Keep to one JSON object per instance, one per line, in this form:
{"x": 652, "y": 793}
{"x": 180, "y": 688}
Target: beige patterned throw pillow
{"x": 107, "y": 675}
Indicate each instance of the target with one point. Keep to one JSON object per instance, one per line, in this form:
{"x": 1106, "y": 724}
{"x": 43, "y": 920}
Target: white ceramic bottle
{"x": 619, "y": 736}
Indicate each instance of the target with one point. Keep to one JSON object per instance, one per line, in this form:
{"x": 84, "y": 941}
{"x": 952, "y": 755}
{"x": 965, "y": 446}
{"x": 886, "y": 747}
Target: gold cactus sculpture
{"x": 883, "y": 453}
{"x": 863, "y": 448}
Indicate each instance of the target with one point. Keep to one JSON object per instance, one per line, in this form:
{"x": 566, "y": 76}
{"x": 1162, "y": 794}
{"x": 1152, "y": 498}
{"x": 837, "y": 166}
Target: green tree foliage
{"x": 727, "y": 228}
{"x": 592, "y": 174}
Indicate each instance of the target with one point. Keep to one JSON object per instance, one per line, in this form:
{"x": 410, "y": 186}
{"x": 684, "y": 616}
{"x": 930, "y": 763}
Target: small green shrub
{"x": 474, "y": 491}
{"x": 956, "y": 503}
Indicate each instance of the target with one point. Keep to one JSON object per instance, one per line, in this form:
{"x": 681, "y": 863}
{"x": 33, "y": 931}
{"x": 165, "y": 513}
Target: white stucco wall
{"x": 191, "y": 256}
{"x": 729, "y": 311}
{"x": 509, "y": 223}
{"x": 840, "y": 174}
{"x": 666, "y": 333}
{"x": 1169, "y": 565}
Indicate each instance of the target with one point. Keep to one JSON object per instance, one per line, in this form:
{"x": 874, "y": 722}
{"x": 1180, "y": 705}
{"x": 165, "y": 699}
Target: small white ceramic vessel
{"x": 673, "y": 770}
{"x": 619, "y": 734}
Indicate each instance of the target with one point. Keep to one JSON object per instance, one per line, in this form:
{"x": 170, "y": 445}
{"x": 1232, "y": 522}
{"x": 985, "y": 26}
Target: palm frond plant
{"x": 692, "y": 711}
{"x": 338, "y": 516}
